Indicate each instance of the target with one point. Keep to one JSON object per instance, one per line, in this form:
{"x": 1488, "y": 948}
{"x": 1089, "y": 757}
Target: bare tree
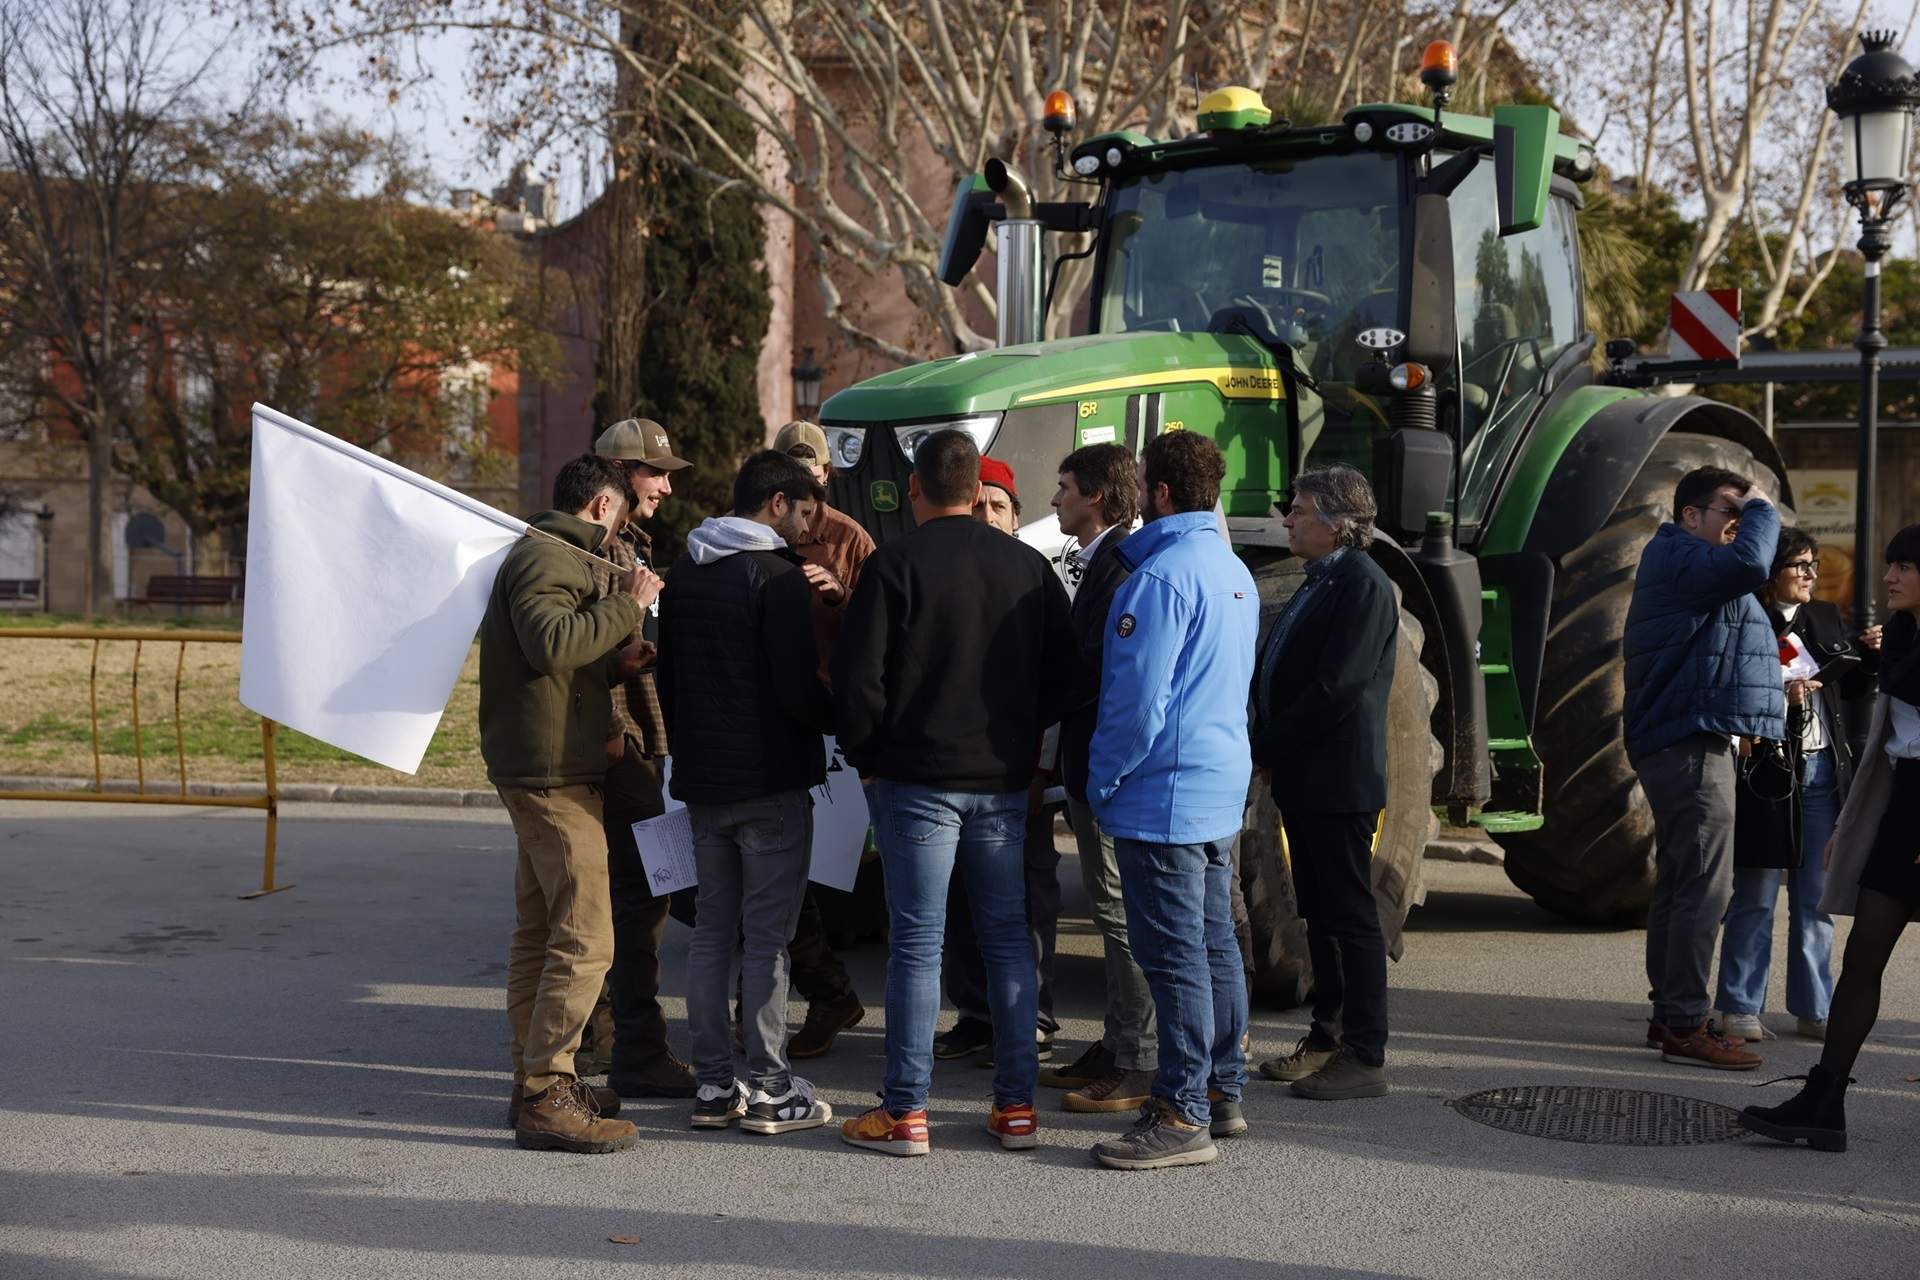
{"x": 92, "y": 93}
{"x": 869, "y": 111}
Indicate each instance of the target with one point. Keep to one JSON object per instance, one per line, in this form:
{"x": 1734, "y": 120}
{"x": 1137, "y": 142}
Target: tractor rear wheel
{"x": 1279, "y": 970}
{"x": 1593, "y": 860}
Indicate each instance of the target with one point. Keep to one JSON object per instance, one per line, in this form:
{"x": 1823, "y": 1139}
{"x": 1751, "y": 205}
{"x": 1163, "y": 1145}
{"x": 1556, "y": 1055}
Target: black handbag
{"x": 1766, "y": 807}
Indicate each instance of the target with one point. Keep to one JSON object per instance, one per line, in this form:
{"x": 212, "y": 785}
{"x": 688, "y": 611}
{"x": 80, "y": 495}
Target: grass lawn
{"x": 44, "y": 720}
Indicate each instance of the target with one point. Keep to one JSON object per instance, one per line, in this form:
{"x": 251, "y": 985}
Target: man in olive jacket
{"x": 550, "y": 649}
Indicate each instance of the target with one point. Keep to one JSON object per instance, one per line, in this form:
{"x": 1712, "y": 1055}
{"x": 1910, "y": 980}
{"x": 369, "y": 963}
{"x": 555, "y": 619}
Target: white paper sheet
{"x": 365, "y": 585}
{"x": 666, "y": 851}
{"x": 839, "y": 823}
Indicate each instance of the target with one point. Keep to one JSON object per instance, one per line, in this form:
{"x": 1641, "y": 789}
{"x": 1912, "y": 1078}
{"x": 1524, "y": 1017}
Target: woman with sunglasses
{"x": 1873, "y": 866}
{"x": 1792, "y": 794}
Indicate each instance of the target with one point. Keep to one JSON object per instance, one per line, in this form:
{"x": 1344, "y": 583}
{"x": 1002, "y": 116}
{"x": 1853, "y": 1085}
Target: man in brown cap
{"x": 641, "y": 1066}
{"x": 834, "y": 547}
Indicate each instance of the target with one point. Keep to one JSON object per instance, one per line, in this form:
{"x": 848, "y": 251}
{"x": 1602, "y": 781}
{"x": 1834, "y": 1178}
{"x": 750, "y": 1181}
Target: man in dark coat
{"x": 629, "y": 1030}
{"x": 739, "y": 681}
{"x": 1320, "y": 730}
{"x": 1096, "y": 503}
{"x": 1702, "y": 672}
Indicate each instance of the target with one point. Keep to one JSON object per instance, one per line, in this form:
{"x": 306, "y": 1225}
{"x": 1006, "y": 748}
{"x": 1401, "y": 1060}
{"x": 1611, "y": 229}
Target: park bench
{"x": 19, "y": 590}
{"x": 192, "y": 589}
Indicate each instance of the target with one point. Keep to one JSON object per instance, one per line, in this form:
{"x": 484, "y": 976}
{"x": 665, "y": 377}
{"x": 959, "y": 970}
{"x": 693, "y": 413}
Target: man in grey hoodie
{"x": 738, "y": 676}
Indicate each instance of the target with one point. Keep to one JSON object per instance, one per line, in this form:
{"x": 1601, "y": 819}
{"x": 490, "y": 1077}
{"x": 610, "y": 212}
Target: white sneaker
{"x": 795, "y": 1109}
{"x": 1811, "y": 1028}
{"x": 1742, "y": 1026}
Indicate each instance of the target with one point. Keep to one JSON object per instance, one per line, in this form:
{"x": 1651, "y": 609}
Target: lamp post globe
{"x": 1875, "y": 99}
{"x": 806, "y": 386}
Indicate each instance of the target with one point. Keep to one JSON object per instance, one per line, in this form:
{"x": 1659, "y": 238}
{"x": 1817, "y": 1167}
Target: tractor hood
{"x": 1007, "y": 378}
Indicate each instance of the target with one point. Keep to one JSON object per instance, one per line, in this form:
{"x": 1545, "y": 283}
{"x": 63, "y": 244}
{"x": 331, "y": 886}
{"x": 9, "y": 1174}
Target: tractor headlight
{"x": 981, "y": 427}
{"x": 845, "y": 445}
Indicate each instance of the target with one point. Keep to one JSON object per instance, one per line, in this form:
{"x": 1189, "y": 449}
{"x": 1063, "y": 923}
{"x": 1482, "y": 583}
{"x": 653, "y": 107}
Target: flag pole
{"x": 532, "y": 532}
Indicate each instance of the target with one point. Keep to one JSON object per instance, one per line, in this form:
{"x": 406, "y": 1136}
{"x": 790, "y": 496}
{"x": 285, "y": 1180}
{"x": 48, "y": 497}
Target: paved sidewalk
{"x": 311, "y": 1084}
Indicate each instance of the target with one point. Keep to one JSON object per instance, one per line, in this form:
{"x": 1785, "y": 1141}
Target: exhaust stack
{"x": 1021, "y": 259}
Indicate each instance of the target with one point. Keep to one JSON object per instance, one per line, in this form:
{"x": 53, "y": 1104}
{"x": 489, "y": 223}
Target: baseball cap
{"x": 639, "y": 440}
{"x": 796, "y": 436}
{"x": 995, "y": 472}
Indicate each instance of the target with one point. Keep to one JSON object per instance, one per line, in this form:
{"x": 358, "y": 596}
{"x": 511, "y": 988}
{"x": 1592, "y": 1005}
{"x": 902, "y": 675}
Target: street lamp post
{"x": 806, "y": 386}
{"x": 1875, "y": 99}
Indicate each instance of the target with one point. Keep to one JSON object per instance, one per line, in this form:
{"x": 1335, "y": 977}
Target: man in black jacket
{"x": 739, "y": 682}
{"x": 1320, "y": 731}
{"x": 953, "y": 658}
{"x": 1096, "y": 502}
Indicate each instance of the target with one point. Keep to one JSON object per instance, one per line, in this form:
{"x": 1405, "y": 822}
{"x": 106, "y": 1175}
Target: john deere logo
{"x": 885, "y": 496}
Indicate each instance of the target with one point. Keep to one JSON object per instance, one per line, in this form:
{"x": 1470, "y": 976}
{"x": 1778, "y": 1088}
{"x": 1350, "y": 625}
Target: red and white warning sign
{"x": 1704, "y": 325}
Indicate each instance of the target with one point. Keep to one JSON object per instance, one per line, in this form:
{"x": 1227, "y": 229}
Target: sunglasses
{"x": 1811, "y": 568}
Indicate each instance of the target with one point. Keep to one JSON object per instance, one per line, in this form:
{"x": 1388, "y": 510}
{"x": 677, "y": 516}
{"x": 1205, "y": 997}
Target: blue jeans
{"x": 1746, "y": 949}
{"x": 926, "y": 835}
{"x": 1179, "y": 901}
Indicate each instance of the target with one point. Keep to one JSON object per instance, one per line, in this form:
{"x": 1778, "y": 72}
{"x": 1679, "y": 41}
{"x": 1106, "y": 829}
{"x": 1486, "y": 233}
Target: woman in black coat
{"x": 1785, "y": 839}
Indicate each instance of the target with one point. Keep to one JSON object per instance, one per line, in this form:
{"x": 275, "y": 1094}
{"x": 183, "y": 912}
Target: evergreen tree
{"x": 698, "y": 372}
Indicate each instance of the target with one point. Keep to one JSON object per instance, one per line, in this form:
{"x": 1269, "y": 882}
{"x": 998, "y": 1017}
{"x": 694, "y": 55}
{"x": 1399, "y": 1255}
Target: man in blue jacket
{"x": 1167, "y": 775}
{"x": 1703, "y": 672}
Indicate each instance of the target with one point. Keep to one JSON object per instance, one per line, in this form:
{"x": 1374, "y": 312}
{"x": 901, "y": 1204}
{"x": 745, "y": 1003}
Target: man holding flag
{"x": 551, "y": 647}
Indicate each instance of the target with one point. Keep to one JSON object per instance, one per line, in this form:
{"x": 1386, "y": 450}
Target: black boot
{"x": 1818, "y": 1114}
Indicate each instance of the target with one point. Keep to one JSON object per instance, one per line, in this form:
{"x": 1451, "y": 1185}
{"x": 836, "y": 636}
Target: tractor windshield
{"x": 1310, "y": 247}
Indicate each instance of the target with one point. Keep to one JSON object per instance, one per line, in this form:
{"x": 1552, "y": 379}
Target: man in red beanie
{"x": 999, "y": 503}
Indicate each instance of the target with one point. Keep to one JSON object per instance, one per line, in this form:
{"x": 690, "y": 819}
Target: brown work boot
{"x": 663, "y": 1077}
{"x": 825, "y": 1021}
{"x": 1699, "y": 1047}
{"x": 606, "y": 1099}
{"x": 566, "y": 1117}
{"x": 1116, "y": 1091}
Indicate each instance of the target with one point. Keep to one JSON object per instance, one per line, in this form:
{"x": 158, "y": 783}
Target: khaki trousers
{"x": 563, "y": 927}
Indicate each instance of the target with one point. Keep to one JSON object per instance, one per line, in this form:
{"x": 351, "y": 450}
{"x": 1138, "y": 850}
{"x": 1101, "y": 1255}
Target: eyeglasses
{"x": 1732, "y": 513}
{"x": 1811, "y": 568}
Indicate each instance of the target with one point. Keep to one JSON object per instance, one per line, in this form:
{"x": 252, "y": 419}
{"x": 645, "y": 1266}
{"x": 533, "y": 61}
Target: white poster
{"x": 666, "y": 850}
{"x": 839, "y": 826}
{"x": 365, "y": 585}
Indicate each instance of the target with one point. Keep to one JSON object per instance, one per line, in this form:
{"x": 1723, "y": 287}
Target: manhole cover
{"x": 1620, "y": 1117}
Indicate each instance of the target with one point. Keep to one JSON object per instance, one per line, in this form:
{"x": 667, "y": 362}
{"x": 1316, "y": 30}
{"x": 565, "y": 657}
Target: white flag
{"x": 365, "y": 586}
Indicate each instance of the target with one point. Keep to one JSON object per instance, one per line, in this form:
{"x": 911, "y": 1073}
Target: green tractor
{"x": 1401, "y": 291}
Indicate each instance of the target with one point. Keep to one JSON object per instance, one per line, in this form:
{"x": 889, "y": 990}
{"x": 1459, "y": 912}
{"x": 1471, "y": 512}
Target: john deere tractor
{"x": 1399, "y": 290}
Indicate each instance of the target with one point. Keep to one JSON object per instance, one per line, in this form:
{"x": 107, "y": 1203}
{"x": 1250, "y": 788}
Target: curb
{"x": 293, "y": 792}
{"x": 1467, "y": 849}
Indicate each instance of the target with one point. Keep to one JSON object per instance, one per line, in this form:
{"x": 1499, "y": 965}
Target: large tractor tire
{"x": 1593, "y": 860}
{"x": 1279, "y": 971}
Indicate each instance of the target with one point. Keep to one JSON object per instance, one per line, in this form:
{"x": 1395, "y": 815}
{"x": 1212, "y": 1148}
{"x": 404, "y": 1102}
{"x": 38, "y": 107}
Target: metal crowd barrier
{"x": 140, "y": 637}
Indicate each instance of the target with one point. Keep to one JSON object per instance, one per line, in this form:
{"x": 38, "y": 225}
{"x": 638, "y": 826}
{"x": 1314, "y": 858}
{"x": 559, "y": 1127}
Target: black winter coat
{"x": 1320, "y": 724}
{"x": 1768, "y": 821}
{"x": 738, "y": 678}
{"x": 1091, "y": 604}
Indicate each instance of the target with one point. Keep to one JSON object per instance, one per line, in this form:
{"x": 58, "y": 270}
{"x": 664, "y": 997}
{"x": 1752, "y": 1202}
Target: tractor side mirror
{"x": 1431, "y": 337}
{"x": 973, "y": 208}
{"x": 1523, "y": 164}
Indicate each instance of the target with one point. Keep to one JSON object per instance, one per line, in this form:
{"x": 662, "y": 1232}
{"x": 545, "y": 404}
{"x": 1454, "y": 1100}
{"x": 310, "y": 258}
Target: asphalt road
{"x": 311, "y": 1084}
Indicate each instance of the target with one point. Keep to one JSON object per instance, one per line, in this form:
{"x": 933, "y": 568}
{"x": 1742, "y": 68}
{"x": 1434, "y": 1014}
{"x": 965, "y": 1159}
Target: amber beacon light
{"x": 1059, "y": 115}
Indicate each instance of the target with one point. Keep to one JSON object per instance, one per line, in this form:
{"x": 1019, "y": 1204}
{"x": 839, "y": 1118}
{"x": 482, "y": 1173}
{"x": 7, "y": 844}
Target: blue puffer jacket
{"x": 1701, "y": 656}
{"x": 1169, "y": 761}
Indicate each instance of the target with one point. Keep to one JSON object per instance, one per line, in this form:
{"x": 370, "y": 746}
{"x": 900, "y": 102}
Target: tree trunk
{"x": 99, "y": 574}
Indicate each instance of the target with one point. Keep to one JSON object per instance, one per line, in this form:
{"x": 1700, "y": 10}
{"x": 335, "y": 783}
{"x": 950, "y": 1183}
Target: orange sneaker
{"x": 1017, "y": 1126}
{"x": 880, "y": 1130}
